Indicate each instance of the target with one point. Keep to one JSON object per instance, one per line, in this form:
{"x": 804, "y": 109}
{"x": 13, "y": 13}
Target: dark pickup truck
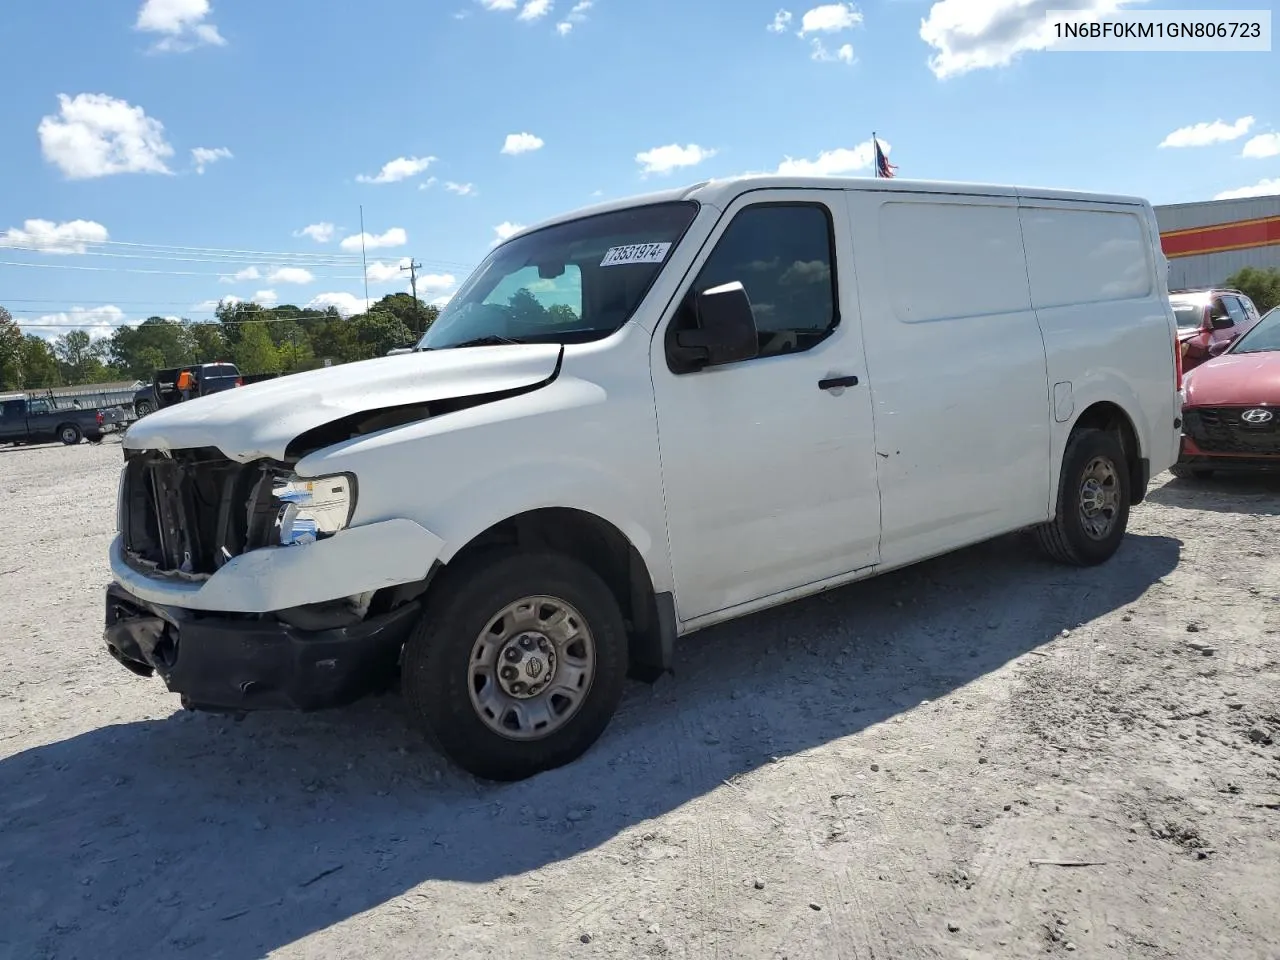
{"x": 39, "y": 421}
{"x": 167, "y": 386}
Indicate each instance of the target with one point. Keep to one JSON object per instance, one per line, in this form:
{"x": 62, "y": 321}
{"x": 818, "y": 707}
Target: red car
{"x": 1231, "y": 406}
{"x": 1209, "y": 321}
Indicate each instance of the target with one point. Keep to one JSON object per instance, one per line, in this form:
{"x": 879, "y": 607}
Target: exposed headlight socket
{"x": 312, "y": 508}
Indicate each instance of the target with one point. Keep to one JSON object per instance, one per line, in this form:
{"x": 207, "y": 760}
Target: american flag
{"x": 883, "y": 167}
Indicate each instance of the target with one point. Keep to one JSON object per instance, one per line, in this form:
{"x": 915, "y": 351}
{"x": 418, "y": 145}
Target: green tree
{"x": 11, "y": 371}
{"x": 153, "y": 344}
{"x": 1261, "y": 285}
{"x": 39, "y": 365}
{"x": 254, "y": 352}
{"x": 377, "y": 332}
{"x": 80, "y": 360}
{"x": 208, "y": 342}
{"x": 410, "y": 312}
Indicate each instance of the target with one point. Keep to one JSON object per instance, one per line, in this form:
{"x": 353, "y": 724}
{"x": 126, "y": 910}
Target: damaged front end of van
{"x": 246, "y": 576}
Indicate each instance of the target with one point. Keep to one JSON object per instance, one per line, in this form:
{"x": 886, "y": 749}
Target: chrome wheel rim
{"x": 1099, "y": 498}
{"x": 531, "y": 668}
{"x": 68, "y": 435}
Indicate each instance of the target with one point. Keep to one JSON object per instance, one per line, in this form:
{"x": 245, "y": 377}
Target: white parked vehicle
{"x": 639, "y": 420}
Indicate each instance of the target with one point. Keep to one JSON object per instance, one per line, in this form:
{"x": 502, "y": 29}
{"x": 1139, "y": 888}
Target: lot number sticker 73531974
{"x": 635, "y": 253}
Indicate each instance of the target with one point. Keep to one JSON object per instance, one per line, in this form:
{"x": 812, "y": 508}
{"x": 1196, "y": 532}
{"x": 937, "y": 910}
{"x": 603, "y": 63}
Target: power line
{"x": 84, "y": 248}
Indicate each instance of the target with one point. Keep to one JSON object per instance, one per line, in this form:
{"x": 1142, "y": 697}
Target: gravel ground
{"x": 983, "y": 756}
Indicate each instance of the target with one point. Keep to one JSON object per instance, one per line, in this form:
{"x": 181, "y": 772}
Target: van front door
{"x": 769, "y": 464}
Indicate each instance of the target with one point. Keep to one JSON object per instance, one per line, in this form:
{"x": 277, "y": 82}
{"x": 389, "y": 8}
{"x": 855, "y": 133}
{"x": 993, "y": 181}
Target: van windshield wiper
{"x": 492, "y": 340}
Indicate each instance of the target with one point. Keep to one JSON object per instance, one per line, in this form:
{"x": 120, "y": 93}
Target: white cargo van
{"x": 639, "y": 420}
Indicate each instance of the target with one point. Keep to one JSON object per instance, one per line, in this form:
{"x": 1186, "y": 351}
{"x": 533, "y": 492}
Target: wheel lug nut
{"x": 513, "y": 654}
{"x": 526, "y": 643}
{"x": 517, "y": 688}
{"x": 509, "y": 673}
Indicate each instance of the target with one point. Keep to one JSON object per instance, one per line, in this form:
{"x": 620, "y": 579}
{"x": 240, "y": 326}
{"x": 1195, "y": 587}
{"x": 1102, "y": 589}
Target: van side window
{"x": 783, "y": 255}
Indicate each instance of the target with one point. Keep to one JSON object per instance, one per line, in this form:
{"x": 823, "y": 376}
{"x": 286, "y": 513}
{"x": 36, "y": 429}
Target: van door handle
{"x": 831, "y": 383}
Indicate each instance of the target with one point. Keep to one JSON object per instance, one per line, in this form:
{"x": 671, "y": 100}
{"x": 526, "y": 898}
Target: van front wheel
{"x": 517, "y": 664}
{"x": 1093, "y": 501}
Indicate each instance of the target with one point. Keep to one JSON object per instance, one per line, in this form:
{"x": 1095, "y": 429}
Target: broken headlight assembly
{"x": 312, "y": 508}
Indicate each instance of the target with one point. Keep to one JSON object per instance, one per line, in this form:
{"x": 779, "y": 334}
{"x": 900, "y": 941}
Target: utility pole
{"x": 413, "y": 284}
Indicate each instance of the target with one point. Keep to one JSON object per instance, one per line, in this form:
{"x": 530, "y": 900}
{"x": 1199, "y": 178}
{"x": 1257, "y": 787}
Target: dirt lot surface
{"x": 904, "y": 768}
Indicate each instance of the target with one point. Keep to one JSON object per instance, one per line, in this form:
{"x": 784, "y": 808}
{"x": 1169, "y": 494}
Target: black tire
{"x": 1065, "y": 537}
{"x": 70, "y": 434}
{"x": 142, "y": 409}
{"x": 437, "y": 660}
{"x": 1184, "y": 472}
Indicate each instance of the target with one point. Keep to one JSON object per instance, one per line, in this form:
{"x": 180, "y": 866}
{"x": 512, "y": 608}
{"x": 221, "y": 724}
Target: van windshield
{"x": 569, "y": 283}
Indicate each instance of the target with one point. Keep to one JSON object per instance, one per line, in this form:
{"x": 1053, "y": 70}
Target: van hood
{"x": 1235, "y": 379}
{"x": 261, "y": 419}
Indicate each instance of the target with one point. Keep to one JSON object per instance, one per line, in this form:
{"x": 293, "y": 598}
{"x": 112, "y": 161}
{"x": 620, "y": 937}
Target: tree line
{"x": 257, "y": 339}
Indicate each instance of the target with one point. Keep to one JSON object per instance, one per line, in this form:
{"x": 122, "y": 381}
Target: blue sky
{"x": 450, "y": 120}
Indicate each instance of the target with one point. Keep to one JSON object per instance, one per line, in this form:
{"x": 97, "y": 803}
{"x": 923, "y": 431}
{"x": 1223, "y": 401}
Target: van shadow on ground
{"x": 197, "y": 832}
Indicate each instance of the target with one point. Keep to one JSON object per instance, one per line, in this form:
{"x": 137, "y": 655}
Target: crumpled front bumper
{"x": 354, "y": 561}
{"x": 239, "y": 662}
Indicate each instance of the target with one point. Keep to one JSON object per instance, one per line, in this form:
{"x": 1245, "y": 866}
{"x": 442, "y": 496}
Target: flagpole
{"x": 874, "y": 166}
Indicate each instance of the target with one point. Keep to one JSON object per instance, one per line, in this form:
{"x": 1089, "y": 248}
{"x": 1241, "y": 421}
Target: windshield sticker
{"x": 636, "y": 253}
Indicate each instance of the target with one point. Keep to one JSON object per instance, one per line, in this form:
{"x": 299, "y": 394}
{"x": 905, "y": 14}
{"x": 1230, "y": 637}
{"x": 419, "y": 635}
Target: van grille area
{"x": 1224, "y": 430}
{"x": 191, "y": 512}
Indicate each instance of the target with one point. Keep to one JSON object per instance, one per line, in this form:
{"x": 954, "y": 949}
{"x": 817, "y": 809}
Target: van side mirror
{"x": 726, "y": 331}
{"x": 1222, "y": 322}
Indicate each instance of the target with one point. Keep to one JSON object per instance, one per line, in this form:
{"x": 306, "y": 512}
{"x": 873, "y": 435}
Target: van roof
{"x": 719, "y": 193}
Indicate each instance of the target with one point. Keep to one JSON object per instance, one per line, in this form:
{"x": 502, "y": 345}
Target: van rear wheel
{"x": 1093, "y": 501}
{"x": 517, "y": 664}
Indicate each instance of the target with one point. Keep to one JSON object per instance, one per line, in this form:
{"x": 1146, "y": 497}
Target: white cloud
{"x": 672, "y": 157}
{"x": 395, "y": 237}
{"x": 380, "y": 272}
{"x": 1262, "y": 146}
{"x": 507, "y": 229}
{"x": 182, "y": 24}
{"x": 442, "y": 301}
{"x": 822, "y": 54}
{"x": 346, "y": 303}
{"x": 267, "y": 298}
{"x": 498, "y": 4}
{"x": 517, "y": 143}
{"x": 96, "y": 321}
{"x": 461, "y": 189}
{"x": 781, "y": 20}
{"x": 248, "y": 273}
{"x": 291, "y": 275}
{"x": 401, "y": 168}
{"x": 577, "y": 15}
{"x": 981, "y": 34}
{"x": 436, "y": 281}
{"x": 319, "y": 232}
{"x": 208, "y": 306}
{"x": 94, "y": 135}
{"x": 49, "y": 237}
{"x": 833, "y": 163}
{"x": 832, "y": 18}
{"x": 204, "y": 156}
{"x": 1207, "y": 134}
{"x": 1263, "y": 188}
{"x": 534, "y": 10}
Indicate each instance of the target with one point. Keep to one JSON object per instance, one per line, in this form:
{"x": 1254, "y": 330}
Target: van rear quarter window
{"x": 952, "y": 260}
{"x": 1085, "y": 256}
